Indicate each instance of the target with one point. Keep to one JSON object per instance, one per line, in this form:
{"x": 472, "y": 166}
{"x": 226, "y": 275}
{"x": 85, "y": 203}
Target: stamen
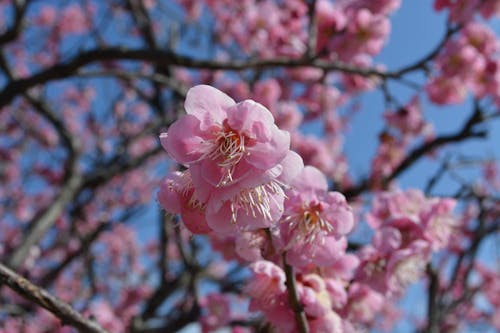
{"x": 229, "y": 149}
{"x": 256, "y": 201}
{"x": 375, "y": 267}
{"x": 307, "y": 225}
{"x": 186, "y": 189}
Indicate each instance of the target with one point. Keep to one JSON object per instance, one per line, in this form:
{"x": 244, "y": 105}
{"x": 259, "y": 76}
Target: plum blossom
{"x": 267, "y": 284}
{"x": 228, "y": 141}
{"x": 363, "y": 304}
{"x": 73, "y": 20}
{"x": 314, "y": 220}
{"x": 178, "y": 196}
{"x": 237, "y": 160}
{"x": 217, "y": 311}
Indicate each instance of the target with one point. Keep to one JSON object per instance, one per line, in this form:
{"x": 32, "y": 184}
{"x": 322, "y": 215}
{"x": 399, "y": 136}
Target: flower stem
{"x": 293, "y": 298}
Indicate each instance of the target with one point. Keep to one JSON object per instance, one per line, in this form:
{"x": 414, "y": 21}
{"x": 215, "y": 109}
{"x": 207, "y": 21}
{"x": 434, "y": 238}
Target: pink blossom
{"x": 104, "y": 314}
{"x": 228, "y": 141}
{"x": 490, "y": 8}
{"x": 438, "y": 221}
{"x": 383, "y": 7}
{"x": 267, "y": 284}
{"x": 369, "y": 31}
{"x": 481, "y": 37}
{"x": 343, "y": 268}
{"x": 409, "y": 120}
{"x": 178, "y": 196}
{"x": 287, "y": 116}
{"x": 315, "y": 152}
{"x": 461, "y": 11}
{"x": 487, "y": 82}
{"x": 355, "y": 83}
{"x": 331, "y": 20}
{"x": 363, "y": 304}
{"x": 317, "y": 304}
{"x": 73, "y": 20}
{"x": 217, "y": 311}
{"x": 406, "y": 266}
{"x": 314, "y": 220}
{"x": 253, "y": 203}
{"x": 390, "y": 154}
{"x": 47, "y": 16}
{"x": 267, "y": 92}
{"x": 446, "y": 90}
{"x": 460, "y": 60}
{"x": 251, "y": 245}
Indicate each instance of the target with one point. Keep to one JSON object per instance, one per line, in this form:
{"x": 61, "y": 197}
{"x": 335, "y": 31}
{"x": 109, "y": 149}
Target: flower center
{"x": 308, "y": 224}
{"x": 229, "y": 149}
{"x": 409, "y": 270}
{"x": 375, "y": 267}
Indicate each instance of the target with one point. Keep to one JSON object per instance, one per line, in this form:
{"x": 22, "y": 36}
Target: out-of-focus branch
{"x": 166, "y": 57}
{"x": 40, "y": 296}
{"x": 432, "y": 301}
{"x": 51, "y": 275}
{"x": 72, "y": 182}
{"x": 175, "y": 322}
{"x": 312, "y": 29}
{"x": 141, "y": 18}
{"x": 105, "y": 172}
{"x": 422, "y": 62}
{"x": 468, "y": 131}
{"x": 11, "y": 34}
{"x": 164, "y": 80}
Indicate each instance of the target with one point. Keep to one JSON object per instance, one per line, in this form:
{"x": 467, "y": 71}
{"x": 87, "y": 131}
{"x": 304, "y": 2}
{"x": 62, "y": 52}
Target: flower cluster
{"x": 243, "y": 186}
{"x": 242, "y": 183}
{"x": 468, "y": 62}
{"x": 237, "y": 163}
{"x": 408, "y": 228}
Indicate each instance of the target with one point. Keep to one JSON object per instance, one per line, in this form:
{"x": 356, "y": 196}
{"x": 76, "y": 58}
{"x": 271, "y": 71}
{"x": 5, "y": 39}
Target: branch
{"x": 72, "y": 182}
{"x": 163, "y": 57}
{"x": 73, "y": 185}
{"x": 20, "y": 7}
{"x": 86, "y": 242}
{"x": 422, "y": 63}
{"x": 468, "y": 131}
{"x": 432, "y": 301}
{"x": 312, "y": 29}
{"x": 43, "y": 298}
{"x": 293, "y": 298}
{"x": 164, "y": 80}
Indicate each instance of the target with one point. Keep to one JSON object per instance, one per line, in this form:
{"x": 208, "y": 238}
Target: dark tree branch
{"x": 12, "y": 33}
{"x": 163, "y": 57}
{"x": 432, "y": 301}
{"x": 43, "y": 298}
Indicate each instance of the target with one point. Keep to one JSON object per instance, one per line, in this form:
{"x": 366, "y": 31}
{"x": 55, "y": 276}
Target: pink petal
{"x": 184, "y": 140}
{"x": 208, "y": 104}
{"x": 310, "y": 178}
